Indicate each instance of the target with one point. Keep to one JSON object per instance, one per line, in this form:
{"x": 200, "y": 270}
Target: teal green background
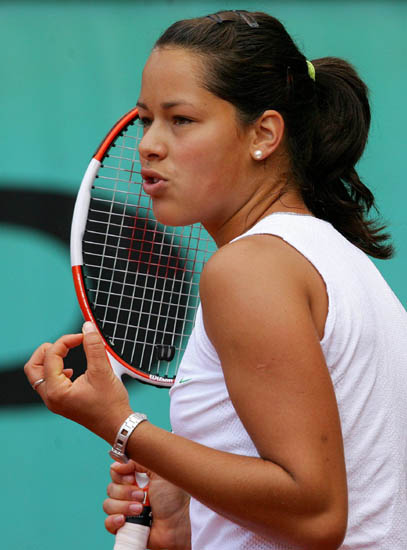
{"x": 68, "y": 70}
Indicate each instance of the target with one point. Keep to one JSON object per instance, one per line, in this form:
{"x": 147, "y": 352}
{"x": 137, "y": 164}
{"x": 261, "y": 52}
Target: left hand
{"x": 96, "y": 399}
{"x": 171, "y": 526}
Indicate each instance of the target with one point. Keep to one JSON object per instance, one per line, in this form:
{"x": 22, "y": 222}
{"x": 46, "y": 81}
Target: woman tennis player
{"x": 289, "y": 409}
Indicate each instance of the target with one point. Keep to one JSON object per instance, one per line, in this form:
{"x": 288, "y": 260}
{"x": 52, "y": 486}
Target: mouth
{"x": 154, "y": 184}
{"x": 151, "y": 176}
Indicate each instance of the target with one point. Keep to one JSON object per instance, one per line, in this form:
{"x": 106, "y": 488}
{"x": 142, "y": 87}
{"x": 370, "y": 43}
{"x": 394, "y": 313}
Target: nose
{"x": 152, "y": 145}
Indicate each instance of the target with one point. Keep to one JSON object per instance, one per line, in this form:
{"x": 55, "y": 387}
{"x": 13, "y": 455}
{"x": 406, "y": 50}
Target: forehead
{"x": 175, "y": 76}
{"x": 173, "y": 69}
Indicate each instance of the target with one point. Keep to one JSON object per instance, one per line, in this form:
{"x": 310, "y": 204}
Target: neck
{"x": 259, "y": 206}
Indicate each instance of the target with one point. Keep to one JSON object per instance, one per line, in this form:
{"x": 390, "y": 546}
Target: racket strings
{"x": 146, "y": 262}
{"x": 170, "y": 327}
{"x": 121, "y": 159}
{"x": 142, "y": 278}
{"x": 112, "y": 244}
{"x": 160, "y": 304}
{"x": 107, "y": 233}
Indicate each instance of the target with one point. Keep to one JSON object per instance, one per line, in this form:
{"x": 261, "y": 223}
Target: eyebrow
{"x": 166, "y": 105}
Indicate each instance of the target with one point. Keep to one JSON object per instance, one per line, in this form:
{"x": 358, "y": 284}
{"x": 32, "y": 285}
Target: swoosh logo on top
{"x": 183, "y": 380}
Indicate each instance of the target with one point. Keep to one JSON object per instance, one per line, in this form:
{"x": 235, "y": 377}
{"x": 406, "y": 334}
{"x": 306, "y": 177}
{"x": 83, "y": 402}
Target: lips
{"x": 154, "y": 183}
{"x": 151, "y": 176}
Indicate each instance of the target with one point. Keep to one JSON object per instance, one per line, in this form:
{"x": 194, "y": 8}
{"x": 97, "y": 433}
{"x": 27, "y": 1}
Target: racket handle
{"x": 132, "y": 536}
{"x": 135, "y": 532}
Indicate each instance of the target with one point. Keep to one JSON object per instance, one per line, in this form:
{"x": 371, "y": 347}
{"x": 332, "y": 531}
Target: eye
{"x": 181, "y": 120}
{"x": 145, "y": 122}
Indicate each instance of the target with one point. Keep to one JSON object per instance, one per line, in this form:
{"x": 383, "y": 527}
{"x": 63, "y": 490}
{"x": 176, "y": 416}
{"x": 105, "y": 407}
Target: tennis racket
{"x": 135, "y": 279}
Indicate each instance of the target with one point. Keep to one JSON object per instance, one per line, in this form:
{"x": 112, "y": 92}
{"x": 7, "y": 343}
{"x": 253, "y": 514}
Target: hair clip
{"x": 215, "y": 17}
{"x": 247, "y": 18}
{"x": 311, "y": 70}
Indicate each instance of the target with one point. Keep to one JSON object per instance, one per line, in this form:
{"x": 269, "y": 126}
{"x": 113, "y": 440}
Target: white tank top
{"x": 365, "y": 347}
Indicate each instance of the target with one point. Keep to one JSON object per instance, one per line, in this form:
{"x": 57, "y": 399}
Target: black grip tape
{"x": 145, "y": 518}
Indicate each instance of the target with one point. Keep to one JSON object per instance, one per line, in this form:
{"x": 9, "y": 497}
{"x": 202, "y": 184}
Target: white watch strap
{"x": 118, "y": 451}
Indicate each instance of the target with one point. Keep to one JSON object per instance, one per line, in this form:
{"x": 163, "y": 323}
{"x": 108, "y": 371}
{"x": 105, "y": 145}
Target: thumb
{"x": 94, "y": 349}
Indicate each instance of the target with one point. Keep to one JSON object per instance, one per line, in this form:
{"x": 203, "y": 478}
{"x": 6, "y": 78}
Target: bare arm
{"x": 260, "y": 322}
{"x": 259, "y": 319}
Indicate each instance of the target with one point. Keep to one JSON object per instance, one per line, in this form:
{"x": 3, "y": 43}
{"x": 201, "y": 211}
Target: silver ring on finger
{"x": 37, "y": 383}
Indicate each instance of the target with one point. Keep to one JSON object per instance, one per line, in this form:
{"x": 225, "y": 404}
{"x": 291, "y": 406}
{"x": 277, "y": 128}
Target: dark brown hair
{"x": 251, "y": 61}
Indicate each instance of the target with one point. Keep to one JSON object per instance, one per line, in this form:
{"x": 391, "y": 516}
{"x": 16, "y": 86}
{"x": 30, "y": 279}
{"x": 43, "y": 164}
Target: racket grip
{"x": 132, "y": 536}
{"x": 135, "y": 532}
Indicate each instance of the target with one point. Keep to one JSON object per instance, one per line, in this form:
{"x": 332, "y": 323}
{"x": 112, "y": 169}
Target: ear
{"x": 268, "y": 131}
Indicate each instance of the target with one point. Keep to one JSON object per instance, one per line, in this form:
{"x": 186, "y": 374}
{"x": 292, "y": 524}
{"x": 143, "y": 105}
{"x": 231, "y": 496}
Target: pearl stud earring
{"x": 258, "y": 154}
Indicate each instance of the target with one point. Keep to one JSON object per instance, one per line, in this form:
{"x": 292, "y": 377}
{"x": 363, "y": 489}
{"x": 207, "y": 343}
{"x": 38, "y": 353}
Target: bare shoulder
{"x": 252, "y": 286}
{"x": 266, "y": 274}
{"x": 252, "y": 262}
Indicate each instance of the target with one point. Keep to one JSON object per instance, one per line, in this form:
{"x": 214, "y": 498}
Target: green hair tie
{"x": 311, "y": 70}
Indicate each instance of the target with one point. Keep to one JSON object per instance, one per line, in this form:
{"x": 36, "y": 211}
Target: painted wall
{"x": 68, "y": 70}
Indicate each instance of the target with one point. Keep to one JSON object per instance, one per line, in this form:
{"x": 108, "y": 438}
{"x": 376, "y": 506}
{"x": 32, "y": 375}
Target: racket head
{"x": 135, "y": 278}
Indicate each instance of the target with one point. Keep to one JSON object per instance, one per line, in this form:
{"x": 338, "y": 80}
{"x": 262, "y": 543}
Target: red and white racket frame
{"x": 77, "y": 232}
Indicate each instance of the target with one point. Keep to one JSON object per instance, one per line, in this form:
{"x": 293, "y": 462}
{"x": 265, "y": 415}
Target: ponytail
{"x": 331, "y": 185}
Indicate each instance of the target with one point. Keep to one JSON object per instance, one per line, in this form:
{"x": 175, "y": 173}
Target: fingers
{"x": 130, "y": 467}
{"x": 126, "y": 479}
{"x": 86, "y": 399}
{"x": 37, "y": 358}
{"x": 124, "y": 493}
{"x": 47, "y": 364}
{"x": 113, "y": 523}
{"x": 55, "y": 354}
{"x": 68, "y": 373}
{"x": 94, "y": 349}
{"x": 124, "y": 500}
{"x": 118, "y": 470}
{"x": 56, "y": 381}
{"x": 34, "y": 368}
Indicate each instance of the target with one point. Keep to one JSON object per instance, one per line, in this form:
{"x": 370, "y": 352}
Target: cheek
{"x": 208, "y": 163}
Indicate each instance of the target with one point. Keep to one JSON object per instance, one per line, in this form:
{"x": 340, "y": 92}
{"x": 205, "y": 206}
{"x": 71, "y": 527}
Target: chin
{"x": 174, "y": 217}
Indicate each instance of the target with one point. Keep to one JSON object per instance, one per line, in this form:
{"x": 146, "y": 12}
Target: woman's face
{"x": 195, "y": 157}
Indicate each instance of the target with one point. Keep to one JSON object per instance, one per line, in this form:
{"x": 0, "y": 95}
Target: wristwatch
{"x": 126, "y": 429}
